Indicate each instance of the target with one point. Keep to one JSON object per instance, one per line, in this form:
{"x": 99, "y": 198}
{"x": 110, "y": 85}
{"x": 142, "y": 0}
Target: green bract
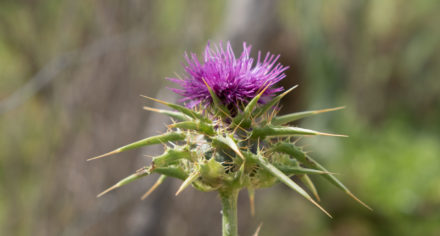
{"x": 212, "y": 151}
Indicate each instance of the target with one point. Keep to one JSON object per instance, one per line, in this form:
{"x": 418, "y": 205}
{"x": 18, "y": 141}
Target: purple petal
{"x": 234, "y": 80}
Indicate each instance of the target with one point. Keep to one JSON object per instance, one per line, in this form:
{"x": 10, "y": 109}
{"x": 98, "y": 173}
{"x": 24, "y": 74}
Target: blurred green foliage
{"x": 379, "y": 58}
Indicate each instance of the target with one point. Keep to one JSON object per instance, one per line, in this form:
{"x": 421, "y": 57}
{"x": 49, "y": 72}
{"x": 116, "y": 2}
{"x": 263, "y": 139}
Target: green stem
{"x": 229, "y": 212}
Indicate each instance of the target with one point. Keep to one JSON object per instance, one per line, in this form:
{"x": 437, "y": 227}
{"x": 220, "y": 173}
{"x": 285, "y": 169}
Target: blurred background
{"x": 71, "y": 73}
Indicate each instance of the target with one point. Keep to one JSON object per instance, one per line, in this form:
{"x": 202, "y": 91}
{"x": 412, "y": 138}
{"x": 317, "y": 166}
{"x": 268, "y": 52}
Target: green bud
{"x": 212, "y": 172}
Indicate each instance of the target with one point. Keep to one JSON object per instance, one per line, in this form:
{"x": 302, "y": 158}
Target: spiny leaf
{"x": 251, "y": 105}
{"x": 191, "y": 178}
{"x": 308, "y": 161}
{"x": 199, "y": 185}
{"x": 139, "y": 174}
{"x": 180, "y": 108}
{"x": 281, "y": 120}
{"x": 280, "y": 131}
{"x": 308, "y": 182}
{"x": 154, "y": 187}
{"x": 228, "y": 141}
{"x": 170, "y": 156}
{"x": 244, "y": 117}
{"x": 286, "y": 180}
{"x": 176, "y": 115}
{"x": 171, "y": 171}
{"x": 194, "y": 125}
{"x": 260, "y": 111}
{"x": 217, "y": 102}
{"x": 162, "y": 138}
{"x": 288, "y": 170}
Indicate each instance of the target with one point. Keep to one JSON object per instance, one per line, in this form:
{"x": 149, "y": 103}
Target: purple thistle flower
{"x": 234, "y": 80}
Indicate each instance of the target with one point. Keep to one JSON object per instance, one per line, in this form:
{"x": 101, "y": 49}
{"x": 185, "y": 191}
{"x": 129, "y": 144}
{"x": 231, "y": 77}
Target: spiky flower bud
{"x": 228, "y": 136}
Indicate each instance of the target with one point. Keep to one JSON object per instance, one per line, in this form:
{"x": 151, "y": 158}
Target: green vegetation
{"x": 378, "y": 58}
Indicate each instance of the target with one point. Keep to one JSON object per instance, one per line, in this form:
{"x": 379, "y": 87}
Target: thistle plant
{"x": 228, "y": 135}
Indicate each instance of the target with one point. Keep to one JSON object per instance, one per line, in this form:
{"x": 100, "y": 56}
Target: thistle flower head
{"x": 240, "y": 141}
{"x": 235, "y": 81}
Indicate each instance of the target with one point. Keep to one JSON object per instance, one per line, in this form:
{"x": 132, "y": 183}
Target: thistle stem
{"x": 229, "y": 212}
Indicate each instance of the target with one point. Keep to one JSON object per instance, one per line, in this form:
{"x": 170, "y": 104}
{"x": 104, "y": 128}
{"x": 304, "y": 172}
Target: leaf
{"x": 162, "y": 138}
{"x": 180, "y": 108}
{"x": 288, "y": 170}
{"x": 217, "y": 102}
{"x": 308, "y": 182}
{"x": 280, "y": 131}
{"x": 139, "y": 174}
{"x": 191, "y": 178}
{"x": 228, "y": 141}
{"x": 243, "y": 118}
{"x": 158, "y": 182}
{"x": 194, "y": 125}
{"x": 285, "y": 179}
{"x": 170, "y": 156}
{"x": 290, "y": 149}
{"x": 281, "y": 120}
{"x": 176, "y": 115}
{"x": 251, "y": 105}
{"x": 171, "y": 171}
{"x": 272, "y": 103}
